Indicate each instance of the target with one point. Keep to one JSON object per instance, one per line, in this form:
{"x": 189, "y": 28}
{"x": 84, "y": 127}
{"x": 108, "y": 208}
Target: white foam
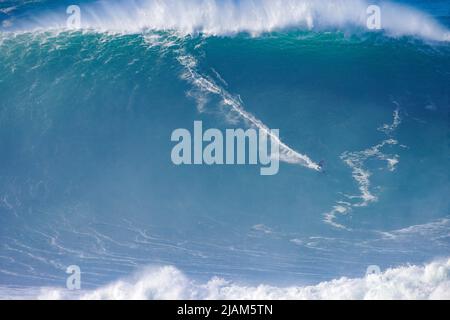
{"x": 429, "y": 281}
{"x": 262, "y": 228}
{"x": 390, "y": 128}
{"x": 356, "y": 161}
{"x": 339, "y": 209}
{"x": 225, "y": 17}
{"x": 435, "y": 230}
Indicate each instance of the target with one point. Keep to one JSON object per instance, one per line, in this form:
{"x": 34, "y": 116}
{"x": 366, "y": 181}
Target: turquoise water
{"x": 86, "y": 176}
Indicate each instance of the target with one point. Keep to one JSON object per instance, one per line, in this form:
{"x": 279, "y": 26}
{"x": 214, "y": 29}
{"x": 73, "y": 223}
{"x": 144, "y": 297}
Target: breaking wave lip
{"x": 429, "y": 281}
{"x": 227, "y": 17}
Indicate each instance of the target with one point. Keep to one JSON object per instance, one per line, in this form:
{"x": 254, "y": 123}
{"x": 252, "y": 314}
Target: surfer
{"x": 321, "y": 166}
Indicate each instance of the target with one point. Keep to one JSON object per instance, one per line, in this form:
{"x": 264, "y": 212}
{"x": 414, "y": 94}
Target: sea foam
{"x": 227, "y": 17}
{"x": 429, "y": 281}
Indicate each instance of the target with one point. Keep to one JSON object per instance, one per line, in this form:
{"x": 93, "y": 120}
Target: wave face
{"x": 86, "y": 178}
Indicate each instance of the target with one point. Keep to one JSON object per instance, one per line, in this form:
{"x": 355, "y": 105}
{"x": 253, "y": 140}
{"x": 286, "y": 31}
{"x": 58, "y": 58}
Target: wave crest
{"x": 225, "y": 17}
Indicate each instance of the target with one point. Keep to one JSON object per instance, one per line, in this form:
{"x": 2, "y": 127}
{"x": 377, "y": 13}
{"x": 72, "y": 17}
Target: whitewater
{"x": 216, "y": 17}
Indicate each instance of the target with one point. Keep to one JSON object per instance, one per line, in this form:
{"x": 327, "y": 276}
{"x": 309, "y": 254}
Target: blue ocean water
{"x": 86, "y": 117}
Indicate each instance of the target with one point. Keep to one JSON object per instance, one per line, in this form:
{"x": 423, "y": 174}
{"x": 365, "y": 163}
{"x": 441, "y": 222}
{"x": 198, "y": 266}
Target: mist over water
{"x": 86, "y": 177}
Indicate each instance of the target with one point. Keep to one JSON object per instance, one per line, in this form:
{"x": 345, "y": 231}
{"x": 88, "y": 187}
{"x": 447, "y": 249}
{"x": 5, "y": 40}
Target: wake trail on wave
{"x": 208, "y": 86}
{"x": 205, "y": 85}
